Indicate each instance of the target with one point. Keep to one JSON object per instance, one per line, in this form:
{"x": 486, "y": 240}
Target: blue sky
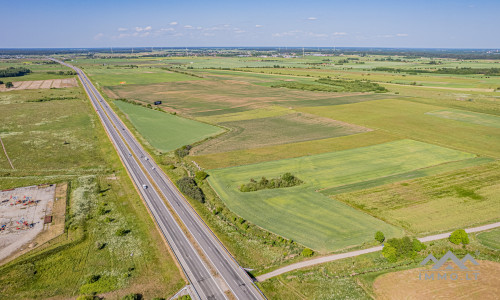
{"x": 420, "y": 24}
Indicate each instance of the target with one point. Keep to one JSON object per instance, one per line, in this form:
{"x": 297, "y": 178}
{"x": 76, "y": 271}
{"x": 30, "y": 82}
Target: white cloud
{"x": 402, "y": 34}
{"x": 167, "y": 29}
{"x": 147, "y": 28}
{"x": 98, "y": 36}
{"x": 188, "y": 26}
{"x": 339, "y": 33}
{"x": 259, "y": 26}
{"x": 312, "y": 18}
{"x": 173, "y": 23}
{"x": 122, "y": 29}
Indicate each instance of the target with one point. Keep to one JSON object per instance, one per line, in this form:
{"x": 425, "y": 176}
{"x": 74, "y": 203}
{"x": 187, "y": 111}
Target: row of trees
{"x": 62, "y": 72}
{"x": 454, "y": 71}
{"x": 285, "y": 180}
{"x": 14, "y": 72}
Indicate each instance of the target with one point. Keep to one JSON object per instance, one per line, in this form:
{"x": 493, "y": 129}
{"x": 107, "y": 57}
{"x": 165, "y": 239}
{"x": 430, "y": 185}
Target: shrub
{"x": 133, "y": 297}
{"x": 183, "y": 151}
{"x": 188, "y": 186}
{"x": 200, "y": 175}
{"x": 307, "y": 252}
{"x": 122, "y": 232}
{"x": 459, "y": 236}
{"x": 401, "y": 248}
{"x": 389, "y": 253}
{"x": 379, "y": 237}
{"x": 9, "y": 84}
{"x": 93, "y": 278}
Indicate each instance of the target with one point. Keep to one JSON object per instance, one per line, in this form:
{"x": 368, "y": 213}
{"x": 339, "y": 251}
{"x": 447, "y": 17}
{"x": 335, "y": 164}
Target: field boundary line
{"x": 6, "y": 155}
{"x": 333, "y": 257}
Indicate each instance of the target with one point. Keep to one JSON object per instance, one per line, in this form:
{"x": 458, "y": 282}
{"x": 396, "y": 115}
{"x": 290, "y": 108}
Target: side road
{"x": 329, "y": 258}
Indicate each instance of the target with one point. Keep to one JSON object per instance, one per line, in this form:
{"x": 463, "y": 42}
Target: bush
{"x": 183, "y": 151}
{"x": 93, "y": 278}
{"x": 200, "y": 175}
{"x": 9, "y": 84}
{"x": 188, "y": 186}
{"x": 133, "y": 297}
{"x": 379, "y": 237}
{"x": 459, "y": 237}
{"x": 307, "y": 252}
{"x": 122, "y": 232}
{"x": 401, "y": 248}
{"x": 14, "y": 72}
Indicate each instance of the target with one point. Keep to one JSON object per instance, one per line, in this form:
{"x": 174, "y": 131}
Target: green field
{"x": 455, "y": 199}
{"x": 114, "y": 76}
{"x": 164, "y": 131}
{"x": 467, "y": 117}
{"x": 289, "y": 128}
{"x": 302, "y": 214}
{"x": 410, "y": 120}
{"x": 269, "y": 153}
{"x": 49, "y": 137}
{"x": 490, "y": 239}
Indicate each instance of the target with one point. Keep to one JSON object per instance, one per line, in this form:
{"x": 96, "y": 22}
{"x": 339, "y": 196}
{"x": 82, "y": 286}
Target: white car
{"x": 144, "y": 186}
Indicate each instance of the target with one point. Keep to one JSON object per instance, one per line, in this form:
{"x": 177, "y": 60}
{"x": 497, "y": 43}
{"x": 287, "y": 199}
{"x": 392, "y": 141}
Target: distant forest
{"x": 455, "y": 71}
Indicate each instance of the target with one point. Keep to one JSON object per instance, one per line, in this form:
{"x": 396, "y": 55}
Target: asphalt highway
{"x": 208, "y": 279}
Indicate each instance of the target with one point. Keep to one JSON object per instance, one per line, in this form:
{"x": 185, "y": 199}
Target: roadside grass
{"x": 467, "y": 117}
{"x": 353, "y": 278}
{"x": 290, "y": 150}
{"x": 164, "y": 131}
{"x": 490, "y": 238}
{"x": 302, "y": 214}
{"x": 289, "y": 128}
{"x": 410, "y": 120}
{"x": 114, "y": 76}
{"x": 437, "y": 203}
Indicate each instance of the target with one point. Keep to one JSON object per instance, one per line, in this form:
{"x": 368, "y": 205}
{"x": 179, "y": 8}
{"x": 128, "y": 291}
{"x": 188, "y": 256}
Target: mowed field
{"x": 410, "y": 119}
{"x": 302, "y": 214}
{"x": 490, "y": 238}
{"x": 467, "y": 117}
{"x": 164, "y": 131}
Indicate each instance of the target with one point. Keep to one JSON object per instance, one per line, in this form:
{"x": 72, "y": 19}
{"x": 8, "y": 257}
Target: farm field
{"x": 269, "y": 153}
{"x": 490, "y": 239}
{"x": 115, "y": 76}
{"x": 467, "y": 117}
{"x": 455, "y": 199}
{"x": 411, "y": 121}
{"x": 164, "y": 131}
{"x": 306, "y": 216}
{"x": 289, "y": 128}
{"x": 405, "y": 285}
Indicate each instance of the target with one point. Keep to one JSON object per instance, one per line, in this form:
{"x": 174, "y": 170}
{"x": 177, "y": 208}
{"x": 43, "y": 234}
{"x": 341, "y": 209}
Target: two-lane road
{"x": 142, "y": 169}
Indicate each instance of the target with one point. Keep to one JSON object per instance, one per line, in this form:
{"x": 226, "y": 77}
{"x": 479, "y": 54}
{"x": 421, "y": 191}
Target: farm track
{"x": 333, "y": 257}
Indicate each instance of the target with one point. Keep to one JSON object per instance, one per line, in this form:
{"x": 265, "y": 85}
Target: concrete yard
{"x": 22, "y": 215}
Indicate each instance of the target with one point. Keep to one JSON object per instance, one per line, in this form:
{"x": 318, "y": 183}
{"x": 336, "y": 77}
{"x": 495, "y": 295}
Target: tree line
{"x": 14, "y": 72}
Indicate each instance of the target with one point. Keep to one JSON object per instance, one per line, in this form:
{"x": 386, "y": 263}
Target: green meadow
{"x": 308, "y": 217}
{"x": 164, "y": 131}
{"x": 467, "y": 117}
{"x": 115, "y": 76}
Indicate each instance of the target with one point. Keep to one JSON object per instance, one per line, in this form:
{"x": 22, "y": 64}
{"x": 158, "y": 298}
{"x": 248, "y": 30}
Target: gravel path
{"x": 329, "y": 258}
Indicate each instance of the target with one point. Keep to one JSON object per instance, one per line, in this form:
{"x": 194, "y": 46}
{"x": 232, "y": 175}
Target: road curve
{"x": 333, "y": 257}
{"x": 144, "y": 171}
